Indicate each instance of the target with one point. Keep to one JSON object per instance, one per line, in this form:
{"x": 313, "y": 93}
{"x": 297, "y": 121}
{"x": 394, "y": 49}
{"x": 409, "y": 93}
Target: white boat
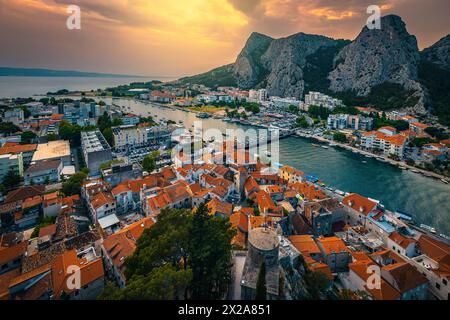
{"x": 428, "y": 228}
{"x": 325, "y": 147}
{"x": 444, "y": 181}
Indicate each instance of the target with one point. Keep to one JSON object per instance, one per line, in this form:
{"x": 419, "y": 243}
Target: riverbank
{"x": 382, "y": 158}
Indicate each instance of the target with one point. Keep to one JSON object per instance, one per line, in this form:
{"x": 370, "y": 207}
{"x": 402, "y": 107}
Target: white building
{"x": 320, "y": 99}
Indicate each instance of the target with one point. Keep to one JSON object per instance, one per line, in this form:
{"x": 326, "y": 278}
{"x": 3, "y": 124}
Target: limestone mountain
{"x": 439, "y": 53}
{"x": 381, "y": 68}
{"x": 380, "y": 57}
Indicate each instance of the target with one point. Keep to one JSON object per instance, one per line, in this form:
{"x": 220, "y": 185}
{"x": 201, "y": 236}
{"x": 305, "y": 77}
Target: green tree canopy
{"x": 27, "y": 137}
{"x": 73, "y": 185}
{"x": 184, "y": 255}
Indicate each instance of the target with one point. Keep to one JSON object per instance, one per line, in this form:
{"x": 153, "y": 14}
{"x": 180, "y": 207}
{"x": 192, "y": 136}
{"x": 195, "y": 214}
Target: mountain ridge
{"x": 372, "y": 67}
{"x": 42, "y": 72}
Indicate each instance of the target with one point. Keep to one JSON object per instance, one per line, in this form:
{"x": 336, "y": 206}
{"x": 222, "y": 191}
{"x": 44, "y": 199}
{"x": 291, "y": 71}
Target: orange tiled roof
{"x": 216, "y": 206}
{"x": 359, "y": 203}
{"x": 305, "y": 244}
{"x": 386, "y": 291}
{"x": 332, "y": 245}
{"x": 12, "y": 253}
{"x": 19, "y": 148}
{"x": 100, "y": 199}
{"x": 419, "y": 125}
{"x": 401, "y": 240}
{"x": 404, "y": 276}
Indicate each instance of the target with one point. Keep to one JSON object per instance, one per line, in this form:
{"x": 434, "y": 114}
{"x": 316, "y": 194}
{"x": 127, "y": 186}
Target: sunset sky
{"x": 182, "y": 37}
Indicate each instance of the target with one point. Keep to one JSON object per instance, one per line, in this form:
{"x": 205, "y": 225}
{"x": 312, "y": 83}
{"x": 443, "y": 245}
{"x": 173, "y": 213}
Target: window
{"x": 444, "y": 281}
{"x": 438, "y": 286}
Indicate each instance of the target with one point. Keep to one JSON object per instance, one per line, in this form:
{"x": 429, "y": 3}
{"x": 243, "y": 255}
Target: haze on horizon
{"x": 184, "y": 37}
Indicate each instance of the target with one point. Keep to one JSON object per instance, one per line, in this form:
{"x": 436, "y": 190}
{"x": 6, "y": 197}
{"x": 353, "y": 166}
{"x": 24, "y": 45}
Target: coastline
{"x": 399, "y": 164}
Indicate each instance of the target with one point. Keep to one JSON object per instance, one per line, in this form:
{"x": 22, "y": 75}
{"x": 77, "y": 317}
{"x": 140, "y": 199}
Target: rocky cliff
{"x": 439, "y": 53}
{"x": 377, "y": 57}
{"x": 379, "y": 68}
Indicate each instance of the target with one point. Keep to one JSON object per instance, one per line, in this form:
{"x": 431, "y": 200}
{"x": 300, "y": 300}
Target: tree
{"x": 109, "y": 136}
{"x": 317, "y": 283}
{"x": 11, "y": 179}
{"x": 117, "y": 122}
{"x": 340, "y": 137}
{"x": 8, "y": 128}
{"x": 104, "y": 122}
{"x": 68, "y": 131}
{"x": 261, "y": 289}
{"x": 27, "y": 137}
{"x": 302, "y": 122}
{"x": 183, "y": 255}
{"x": 210, "y": 255}
{"x": 52, "y": 137}
{"x": 149, "y": 162}
{"x": 162, "y": 283}
{"x": 73, "y": 185}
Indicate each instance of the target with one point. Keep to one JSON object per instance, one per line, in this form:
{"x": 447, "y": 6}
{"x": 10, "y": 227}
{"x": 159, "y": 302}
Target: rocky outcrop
{"x": 248, "y": 70}
{"x": 439, "y": 53}
{"x": 376, "y": 57}
{"x": 286, "y": 60}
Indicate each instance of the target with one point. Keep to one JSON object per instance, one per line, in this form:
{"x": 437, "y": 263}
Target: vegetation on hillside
{"x": 219, "y": 77}
{"x": 437, "y": 81}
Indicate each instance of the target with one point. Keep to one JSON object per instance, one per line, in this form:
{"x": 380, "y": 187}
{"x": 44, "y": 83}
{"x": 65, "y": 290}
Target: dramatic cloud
{"x": 178, "y": 37}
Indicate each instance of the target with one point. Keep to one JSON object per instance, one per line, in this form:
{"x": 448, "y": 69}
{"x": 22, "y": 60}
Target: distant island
{"x": 35, "y": 72}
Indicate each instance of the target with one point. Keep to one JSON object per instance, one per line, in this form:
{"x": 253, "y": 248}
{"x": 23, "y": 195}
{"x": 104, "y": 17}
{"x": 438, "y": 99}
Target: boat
{"x": 325, "y": 147}
{"x": 333, "y": 145}
{"x": 444, "y": 181}
{"x": 415, "y": 171}
{"x": 403, "y": 215}
{"x": 428, "y": 228}
{"x": 315, "y": 145}
{"x": 364, "y": 161}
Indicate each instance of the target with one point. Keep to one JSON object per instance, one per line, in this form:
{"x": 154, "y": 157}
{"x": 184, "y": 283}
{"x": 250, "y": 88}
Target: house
{"x": 240, "y": 220}
{"x": 101, "y": 205}
{"x": 311, "y": 253}
{"x": 405, "y": 278}
{"x": 173, "y": 196}
{"x": 319, "y": 216}
{"x": 335, "y": 252}
{"x": 118, "y": 247}
{"x": 52, "y": 204}
{"x": 26, "y": 150}
{"x": 44, "y": 172}
{"x": 251, "y": 188}
{"x": 402, "y": 245}
{"x": 359, "y": 273}
{"x": 46, "y": 275}
{"x": 219, "y": 208}
{"x": 53, "y": 150}
{"x": 418, "y": 127}
{"x": 266, "y": 206}
{"x": 291, "y": 174}
{"x": 125, "y": 201}
{"x": 357, "y": 209}
{"x": 11, "y": 257}
{"x": 433, "y": 261}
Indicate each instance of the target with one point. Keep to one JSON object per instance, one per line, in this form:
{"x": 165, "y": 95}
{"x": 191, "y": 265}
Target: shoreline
{"x": 399, "y": 164}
